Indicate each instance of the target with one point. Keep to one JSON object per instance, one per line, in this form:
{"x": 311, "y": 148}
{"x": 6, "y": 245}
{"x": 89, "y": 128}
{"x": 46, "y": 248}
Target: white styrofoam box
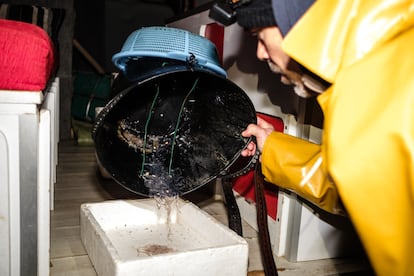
{"x": 136, "y": 237}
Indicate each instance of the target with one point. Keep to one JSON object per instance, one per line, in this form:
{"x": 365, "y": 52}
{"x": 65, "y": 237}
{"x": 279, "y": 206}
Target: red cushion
{"x": 27, "y": 56}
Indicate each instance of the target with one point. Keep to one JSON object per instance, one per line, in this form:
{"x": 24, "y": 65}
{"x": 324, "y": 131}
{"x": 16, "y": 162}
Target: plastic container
{"x": 169, "y": 43}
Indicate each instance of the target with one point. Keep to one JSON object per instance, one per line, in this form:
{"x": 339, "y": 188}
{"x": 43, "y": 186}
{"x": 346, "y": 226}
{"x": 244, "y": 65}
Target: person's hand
{"x": 261, "y": 131}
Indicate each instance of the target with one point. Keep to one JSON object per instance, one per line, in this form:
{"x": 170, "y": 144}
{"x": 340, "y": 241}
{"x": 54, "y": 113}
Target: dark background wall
{"x": 101, "y": 27}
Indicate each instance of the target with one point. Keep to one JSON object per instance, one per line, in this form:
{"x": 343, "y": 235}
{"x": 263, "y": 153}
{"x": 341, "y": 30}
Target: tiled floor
{"x": 78, "y": 181}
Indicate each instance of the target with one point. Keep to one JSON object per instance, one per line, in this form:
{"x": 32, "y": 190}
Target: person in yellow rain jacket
{"x": 364, "y": 166}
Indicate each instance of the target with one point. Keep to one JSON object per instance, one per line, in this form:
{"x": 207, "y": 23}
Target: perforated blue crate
{"x": 171, "y": 43}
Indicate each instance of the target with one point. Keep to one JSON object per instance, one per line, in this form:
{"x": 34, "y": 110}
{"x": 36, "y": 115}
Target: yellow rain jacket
{"x": 366, "y": 50}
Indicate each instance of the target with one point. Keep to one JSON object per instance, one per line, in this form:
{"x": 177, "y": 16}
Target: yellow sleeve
{"x": 297, "y": 165}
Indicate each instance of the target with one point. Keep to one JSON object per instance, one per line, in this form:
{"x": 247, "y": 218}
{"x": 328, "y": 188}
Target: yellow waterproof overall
{"x": 366, "y": 50}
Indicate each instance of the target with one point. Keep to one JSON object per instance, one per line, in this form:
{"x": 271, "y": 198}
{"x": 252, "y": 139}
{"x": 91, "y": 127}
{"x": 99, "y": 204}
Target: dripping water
{"x": 167, "y": 207}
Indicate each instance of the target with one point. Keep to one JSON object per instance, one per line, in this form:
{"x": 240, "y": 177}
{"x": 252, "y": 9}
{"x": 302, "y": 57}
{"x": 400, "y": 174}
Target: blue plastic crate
{"x": 169, "y": 43}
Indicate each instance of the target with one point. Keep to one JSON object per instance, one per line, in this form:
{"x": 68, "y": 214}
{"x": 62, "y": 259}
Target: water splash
{"x": 168, "y": 208}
